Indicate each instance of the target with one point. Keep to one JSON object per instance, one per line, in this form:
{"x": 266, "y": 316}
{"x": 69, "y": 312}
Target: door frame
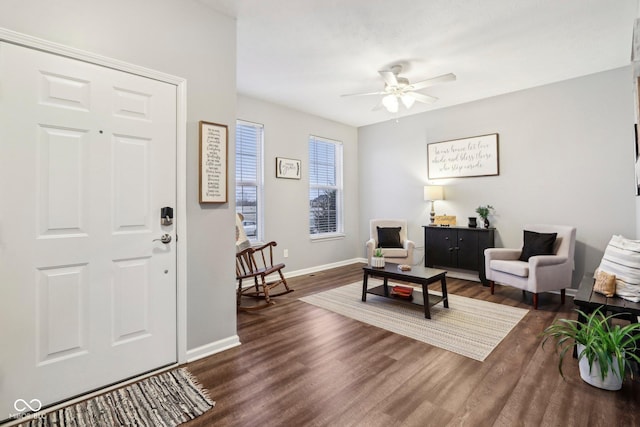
{"x": 25, "y": 40}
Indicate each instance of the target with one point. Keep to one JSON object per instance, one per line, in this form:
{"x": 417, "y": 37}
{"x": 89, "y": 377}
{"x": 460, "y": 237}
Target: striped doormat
{"x": 167, "y": 399}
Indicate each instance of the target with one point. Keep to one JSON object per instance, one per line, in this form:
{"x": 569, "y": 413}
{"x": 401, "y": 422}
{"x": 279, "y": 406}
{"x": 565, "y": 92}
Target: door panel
{"x": 61, "y": 165}
{"x": 87, "y": 159}
{"x": 63, "y": 313}
{"x": 132, "y": 186}
{"x": 64, "y": 91}
{"x": 130, "y": 302}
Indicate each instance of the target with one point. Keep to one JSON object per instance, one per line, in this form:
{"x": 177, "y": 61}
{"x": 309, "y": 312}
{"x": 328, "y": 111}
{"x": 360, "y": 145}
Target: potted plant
{"x": 377, "y": 260}
{"x": 604, "y": 350}
{"x": 483, "y": 212}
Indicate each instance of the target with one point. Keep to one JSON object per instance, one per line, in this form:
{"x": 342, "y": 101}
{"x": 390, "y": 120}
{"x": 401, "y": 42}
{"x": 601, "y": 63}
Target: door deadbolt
{"x": 166, "y": 238}
{"x": 166, "y": 216}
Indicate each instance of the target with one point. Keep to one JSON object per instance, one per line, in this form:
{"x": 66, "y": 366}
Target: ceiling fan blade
{"x": 363, "y": 94}
{"x": 427, "y": 99}
{"x": 430, "y": 82}
{"x": 389, "y": 78}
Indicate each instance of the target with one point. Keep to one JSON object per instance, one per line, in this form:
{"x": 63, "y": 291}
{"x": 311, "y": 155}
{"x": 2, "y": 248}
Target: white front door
{"x": 87, "y": 160}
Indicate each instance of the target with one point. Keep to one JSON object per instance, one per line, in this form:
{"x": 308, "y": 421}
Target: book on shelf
{"x": 400, "y": 291}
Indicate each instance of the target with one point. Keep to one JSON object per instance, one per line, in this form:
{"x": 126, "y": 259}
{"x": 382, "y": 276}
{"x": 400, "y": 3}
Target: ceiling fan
{"x": 398, "y": 89}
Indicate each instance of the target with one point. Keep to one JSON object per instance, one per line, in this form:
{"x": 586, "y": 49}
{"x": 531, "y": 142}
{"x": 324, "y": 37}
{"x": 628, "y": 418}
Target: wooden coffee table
{"x": 419, "y": 275}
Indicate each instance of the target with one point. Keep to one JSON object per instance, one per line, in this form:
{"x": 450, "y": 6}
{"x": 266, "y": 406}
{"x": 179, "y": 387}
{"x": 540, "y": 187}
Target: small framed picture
{"x": 288, "y": 168}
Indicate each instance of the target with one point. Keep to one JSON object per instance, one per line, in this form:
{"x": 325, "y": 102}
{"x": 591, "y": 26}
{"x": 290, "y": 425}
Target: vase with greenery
{"x": 484, "y": 212}
{"x": 602, "y": 347}
{"x": 377, "y": 260}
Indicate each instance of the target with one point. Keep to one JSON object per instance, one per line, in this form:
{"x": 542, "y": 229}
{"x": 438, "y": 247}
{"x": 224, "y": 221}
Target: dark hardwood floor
{"x": 300, "y": 365}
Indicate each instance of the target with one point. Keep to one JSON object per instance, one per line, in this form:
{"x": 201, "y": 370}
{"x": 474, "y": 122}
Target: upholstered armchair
{"x": 391, "y": 236}
{"x": 543, "y": 263}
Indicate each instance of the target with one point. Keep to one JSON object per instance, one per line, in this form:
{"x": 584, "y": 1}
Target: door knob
{"x": 166, "y": 238}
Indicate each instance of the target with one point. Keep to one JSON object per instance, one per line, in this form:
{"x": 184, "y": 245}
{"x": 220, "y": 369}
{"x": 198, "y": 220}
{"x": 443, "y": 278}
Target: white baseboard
{"x": 464, "y": 275}
{"x": 317, "y": 268}
{"x": 212, "y": 348}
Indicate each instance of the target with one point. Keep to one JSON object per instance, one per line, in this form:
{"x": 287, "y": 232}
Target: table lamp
{"x": 431, "y": 194}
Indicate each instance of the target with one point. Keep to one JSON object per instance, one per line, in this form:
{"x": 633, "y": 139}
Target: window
{"x": 325, "y": 187}
{"x": 249, "y": 141}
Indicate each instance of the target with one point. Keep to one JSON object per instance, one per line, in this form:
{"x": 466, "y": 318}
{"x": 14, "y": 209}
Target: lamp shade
{"x": 433, "y": 192}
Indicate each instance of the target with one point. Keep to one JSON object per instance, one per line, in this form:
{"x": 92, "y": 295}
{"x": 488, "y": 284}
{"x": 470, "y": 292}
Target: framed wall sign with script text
{"x": 466, "y": 157}
{"x": 288, "y": 168}
{"x": 214, "y": 141}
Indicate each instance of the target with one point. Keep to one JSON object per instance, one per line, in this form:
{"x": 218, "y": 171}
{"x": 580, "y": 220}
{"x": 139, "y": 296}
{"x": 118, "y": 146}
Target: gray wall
{"x": 188, "y": 40}
{"x": 286, "y": 134}
{"x": 566, "y": 157}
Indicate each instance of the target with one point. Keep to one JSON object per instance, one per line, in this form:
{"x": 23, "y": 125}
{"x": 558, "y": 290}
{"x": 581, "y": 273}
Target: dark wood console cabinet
{"x": 457, "y": 247}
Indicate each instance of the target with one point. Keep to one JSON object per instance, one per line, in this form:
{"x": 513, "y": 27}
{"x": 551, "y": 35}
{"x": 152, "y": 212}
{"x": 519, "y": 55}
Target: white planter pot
{"x": 612, "y": 381}
{"x": 377, "y": 262}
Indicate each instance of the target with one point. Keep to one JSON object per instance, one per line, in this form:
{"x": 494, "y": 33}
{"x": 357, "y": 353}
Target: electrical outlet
{"x": 286, "y": 253}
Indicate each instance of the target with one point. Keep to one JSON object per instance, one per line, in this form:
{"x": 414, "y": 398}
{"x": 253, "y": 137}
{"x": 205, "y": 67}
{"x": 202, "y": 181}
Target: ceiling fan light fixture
{"x": 398, "y": 89}
{"x": 390, "y": 102}
{"x": 408, "y": 101}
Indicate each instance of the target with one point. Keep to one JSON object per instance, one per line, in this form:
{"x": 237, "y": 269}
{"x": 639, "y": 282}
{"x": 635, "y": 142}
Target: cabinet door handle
{"x": 446, "y": 238}
{"x": 457, "y": 248}
{"x": 461, "y": 239}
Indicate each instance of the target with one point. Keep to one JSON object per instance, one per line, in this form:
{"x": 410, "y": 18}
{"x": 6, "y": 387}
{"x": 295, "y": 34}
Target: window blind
{"x": 325, "y": 186}
{"x": 249, "y": 140}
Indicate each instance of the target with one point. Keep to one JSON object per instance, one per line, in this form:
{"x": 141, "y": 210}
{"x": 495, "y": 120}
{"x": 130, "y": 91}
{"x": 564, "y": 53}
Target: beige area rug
{"x": 470, "y": 327}
{"x": 167, "y": 399}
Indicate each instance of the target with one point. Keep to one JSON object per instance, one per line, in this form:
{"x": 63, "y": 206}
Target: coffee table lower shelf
{"x": 433, "y": 298}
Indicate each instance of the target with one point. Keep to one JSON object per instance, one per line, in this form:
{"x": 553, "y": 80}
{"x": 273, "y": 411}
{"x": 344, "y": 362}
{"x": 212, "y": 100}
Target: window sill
{"x": 327, "y": 236}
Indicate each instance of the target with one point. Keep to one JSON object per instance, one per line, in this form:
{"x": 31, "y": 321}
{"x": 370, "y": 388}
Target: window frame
{"x": 338, "y": 187}
{"x": 259, "y": 181}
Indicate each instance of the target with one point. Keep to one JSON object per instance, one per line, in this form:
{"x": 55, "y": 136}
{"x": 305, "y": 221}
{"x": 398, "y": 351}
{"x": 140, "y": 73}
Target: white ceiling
{"x": 304, "y": 54}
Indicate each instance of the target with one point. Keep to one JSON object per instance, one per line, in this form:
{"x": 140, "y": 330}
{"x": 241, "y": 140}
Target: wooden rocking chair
{"x": 256, "y": 264}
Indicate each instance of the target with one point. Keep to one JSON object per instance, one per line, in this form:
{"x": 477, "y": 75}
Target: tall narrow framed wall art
{"x": 214, "y": 142}
{"x": 637, "y": 164}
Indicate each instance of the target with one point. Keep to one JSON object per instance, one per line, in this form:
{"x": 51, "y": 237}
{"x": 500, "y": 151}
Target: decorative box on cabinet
{"x": 457, "y": 247}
